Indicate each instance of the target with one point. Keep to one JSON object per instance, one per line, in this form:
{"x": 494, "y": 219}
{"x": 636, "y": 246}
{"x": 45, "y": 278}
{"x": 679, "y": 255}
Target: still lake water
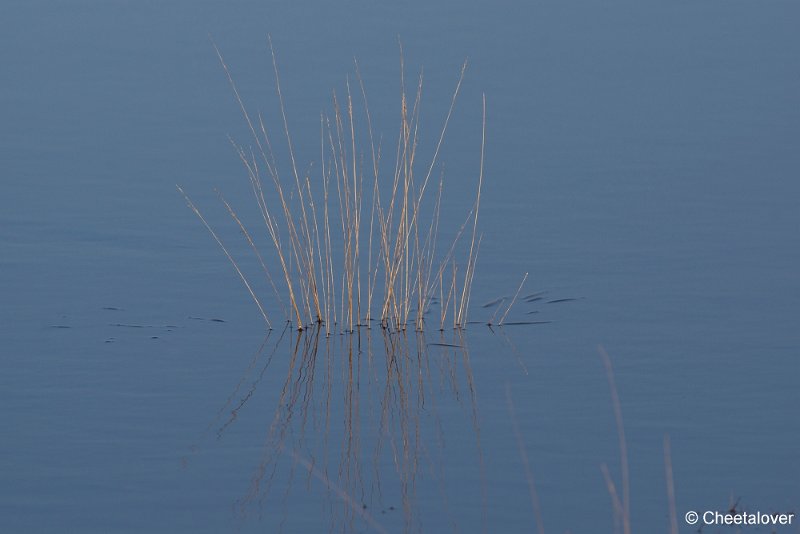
{"x": 641, "y": 159}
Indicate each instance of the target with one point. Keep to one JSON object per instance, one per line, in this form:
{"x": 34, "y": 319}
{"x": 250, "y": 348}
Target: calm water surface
{"x": 641, "y": 159}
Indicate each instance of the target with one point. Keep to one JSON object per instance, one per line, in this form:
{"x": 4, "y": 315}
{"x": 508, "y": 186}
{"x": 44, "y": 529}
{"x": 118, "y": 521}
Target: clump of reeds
{"x": 351, "y": 241}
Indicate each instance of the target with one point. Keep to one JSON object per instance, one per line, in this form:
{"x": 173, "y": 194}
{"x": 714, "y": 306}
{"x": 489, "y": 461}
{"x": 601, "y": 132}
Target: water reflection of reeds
{"x": 357, "y": 417}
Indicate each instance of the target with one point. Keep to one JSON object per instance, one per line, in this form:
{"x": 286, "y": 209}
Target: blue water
{"x": 641, "y": 159}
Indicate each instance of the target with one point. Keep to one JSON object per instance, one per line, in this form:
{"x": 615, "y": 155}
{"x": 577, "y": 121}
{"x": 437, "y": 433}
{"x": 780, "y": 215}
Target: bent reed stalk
{"x": 388, "y": 259}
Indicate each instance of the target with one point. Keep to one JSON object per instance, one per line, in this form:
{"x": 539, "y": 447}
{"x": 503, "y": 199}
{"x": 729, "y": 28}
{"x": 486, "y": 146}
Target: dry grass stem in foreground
{"x": 622, "y": 508}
